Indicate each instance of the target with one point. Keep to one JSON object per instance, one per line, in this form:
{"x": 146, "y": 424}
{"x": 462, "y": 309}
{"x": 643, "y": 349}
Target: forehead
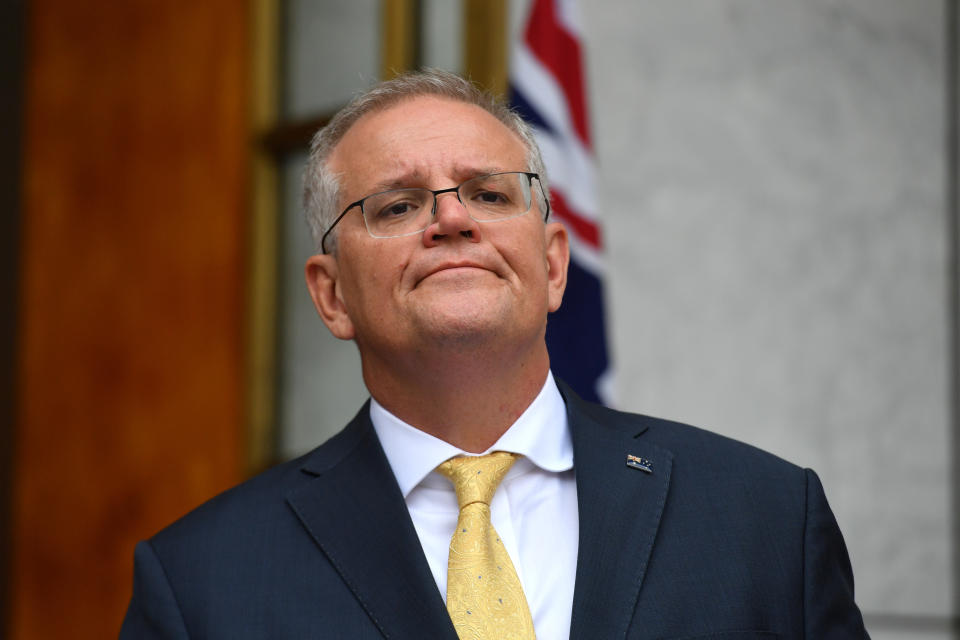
{"x": 425, "y": 138}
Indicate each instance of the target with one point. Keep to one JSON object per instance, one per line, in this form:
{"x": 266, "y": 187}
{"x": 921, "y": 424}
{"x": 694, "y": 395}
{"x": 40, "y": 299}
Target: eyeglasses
{"x": 404, "y": 212}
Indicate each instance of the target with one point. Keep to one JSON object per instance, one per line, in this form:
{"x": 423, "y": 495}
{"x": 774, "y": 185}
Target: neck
{"x": 464, "y": 398}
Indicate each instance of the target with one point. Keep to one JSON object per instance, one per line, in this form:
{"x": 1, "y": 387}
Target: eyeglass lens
{"x": 487, "y": 198}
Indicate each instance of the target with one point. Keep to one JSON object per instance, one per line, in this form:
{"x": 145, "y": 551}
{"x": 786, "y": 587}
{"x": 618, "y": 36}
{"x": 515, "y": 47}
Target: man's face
{"x": 458, "y": 282}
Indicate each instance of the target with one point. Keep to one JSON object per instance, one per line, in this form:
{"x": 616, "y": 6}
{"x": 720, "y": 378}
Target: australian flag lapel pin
{"x": 636, "y": 462}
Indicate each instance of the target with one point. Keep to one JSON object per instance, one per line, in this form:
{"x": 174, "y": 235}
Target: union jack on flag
{"x": 547, "y": 88}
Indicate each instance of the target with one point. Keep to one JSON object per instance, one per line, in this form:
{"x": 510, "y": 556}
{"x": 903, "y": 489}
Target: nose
{"x": 450, "y": 221}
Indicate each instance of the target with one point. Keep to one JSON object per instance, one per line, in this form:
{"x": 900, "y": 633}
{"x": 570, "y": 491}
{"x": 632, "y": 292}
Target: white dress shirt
{"x": 534, "y": 509}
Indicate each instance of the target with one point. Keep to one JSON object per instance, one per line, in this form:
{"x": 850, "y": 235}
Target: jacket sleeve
{"x": 153, "y": 613}
{"x": 829, "y": 608}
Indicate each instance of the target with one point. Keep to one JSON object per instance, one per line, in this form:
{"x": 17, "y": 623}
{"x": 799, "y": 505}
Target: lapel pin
{"x": 636, "y": 462}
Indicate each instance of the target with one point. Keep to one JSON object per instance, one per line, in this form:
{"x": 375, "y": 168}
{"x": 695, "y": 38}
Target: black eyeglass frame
{"x": 436, "y": 192}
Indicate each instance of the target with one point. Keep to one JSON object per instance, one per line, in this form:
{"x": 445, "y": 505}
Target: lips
{"x": 452, "y": 266}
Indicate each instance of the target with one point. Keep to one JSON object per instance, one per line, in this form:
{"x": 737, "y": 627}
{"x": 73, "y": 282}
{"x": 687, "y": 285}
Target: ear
{"x": 558, "y": 258}
{"x": 322, "y": 280}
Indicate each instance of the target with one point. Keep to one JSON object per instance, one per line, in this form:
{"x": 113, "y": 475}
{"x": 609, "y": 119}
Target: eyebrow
{"x": 418, "y": 178}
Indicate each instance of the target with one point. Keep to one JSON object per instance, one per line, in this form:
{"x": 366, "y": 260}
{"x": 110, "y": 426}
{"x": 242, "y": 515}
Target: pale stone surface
{"x": 442, "y": 22}
{"x": 320, "y": 386}
{"x": 332, "y": 49}
{"x": 772, "y": 180}
{"x": 901, "y": 634}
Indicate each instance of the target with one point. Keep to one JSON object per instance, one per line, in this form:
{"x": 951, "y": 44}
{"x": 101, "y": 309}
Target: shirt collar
{"x": 540, "y": 434}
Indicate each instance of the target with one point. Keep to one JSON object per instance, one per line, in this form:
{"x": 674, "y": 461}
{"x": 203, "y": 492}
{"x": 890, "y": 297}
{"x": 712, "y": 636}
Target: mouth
{"x": 454, "y": 270}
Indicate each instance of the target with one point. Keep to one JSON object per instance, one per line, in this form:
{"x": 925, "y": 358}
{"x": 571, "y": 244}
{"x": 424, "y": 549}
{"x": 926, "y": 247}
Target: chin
{"x": 471, "y": 316}
{"x": 466, "y": 329}
{"x": 476, "y": 324}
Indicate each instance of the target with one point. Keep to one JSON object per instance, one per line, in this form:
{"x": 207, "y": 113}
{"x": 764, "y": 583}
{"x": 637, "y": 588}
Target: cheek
{"x": 532, "y": 256}
{"x": 369, "y": 282}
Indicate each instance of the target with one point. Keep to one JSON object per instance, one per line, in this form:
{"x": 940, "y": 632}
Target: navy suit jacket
{"x": 718, "y": 540}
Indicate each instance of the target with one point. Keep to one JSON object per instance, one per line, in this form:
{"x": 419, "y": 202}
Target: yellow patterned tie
{"x": 484, "y": 596}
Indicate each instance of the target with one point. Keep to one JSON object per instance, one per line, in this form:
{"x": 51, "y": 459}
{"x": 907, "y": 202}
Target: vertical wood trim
{"x": 485, "y": 37}
{"x": 264, "y": 239}
{"x": 400, "y": 37}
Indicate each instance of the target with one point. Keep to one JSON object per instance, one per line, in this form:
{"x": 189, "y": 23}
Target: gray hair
{"x": 321, "y": 187}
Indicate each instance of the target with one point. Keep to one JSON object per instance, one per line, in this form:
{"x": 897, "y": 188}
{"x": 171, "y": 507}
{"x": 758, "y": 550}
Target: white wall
{"x": 773, "y": 181}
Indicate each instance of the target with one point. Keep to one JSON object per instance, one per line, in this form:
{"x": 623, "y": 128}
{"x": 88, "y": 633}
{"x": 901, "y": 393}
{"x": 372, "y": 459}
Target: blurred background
{"x": 766, "y": 192}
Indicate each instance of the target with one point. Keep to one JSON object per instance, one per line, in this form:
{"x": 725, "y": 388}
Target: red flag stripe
{"x": 586, "y": 230}
{"x": 559, "y": 51}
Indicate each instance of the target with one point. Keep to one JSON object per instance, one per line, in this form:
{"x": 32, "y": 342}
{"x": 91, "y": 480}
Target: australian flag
{"x": 547, "y": 88}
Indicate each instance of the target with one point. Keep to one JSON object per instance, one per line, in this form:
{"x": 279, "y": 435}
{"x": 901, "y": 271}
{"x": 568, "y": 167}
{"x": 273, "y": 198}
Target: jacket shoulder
{"x": 260, "y": 502}
{"x": 692, "y": 447}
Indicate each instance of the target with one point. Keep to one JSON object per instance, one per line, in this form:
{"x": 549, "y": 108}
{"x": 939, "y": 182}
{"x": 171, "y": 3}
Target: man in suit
{"x": 429, "y": 205}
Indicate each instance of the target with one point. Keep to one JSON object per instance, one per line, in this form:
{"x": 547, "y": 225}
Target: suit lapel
{"x": 619, "y": 508}
{"x": 355, "y": 512}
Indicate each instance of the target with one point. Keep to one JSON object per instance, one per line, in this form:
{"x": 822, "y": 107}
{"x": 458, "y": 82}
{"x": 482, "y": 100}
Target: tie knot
{"x": 476, "y": 478}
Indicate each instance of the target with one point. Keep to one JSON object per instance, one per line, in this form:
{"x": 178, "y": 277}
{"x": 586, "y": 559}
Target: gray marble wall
{"x": 773, "y": 184}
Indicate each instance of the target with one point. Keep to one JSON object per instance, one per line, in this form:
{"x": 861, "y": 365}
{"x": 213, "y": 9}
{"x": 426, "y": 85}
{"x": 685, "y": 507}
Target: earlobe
{"x": 322, "y": 276}
{"x": 558, "y": 258}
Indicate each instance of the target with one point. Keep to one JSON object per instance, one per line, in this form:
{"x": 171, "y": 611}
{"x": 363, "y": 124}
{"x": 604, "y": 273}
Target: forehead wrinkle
{"x": 411, "y": 152}
{"x": 420, "y": 178}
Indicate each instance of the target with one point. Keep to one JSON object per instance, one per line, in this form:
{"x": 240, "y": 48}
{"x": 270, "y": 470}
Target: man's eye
{"x": 491, "y": 198}
{"x": 396, "y": 210}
